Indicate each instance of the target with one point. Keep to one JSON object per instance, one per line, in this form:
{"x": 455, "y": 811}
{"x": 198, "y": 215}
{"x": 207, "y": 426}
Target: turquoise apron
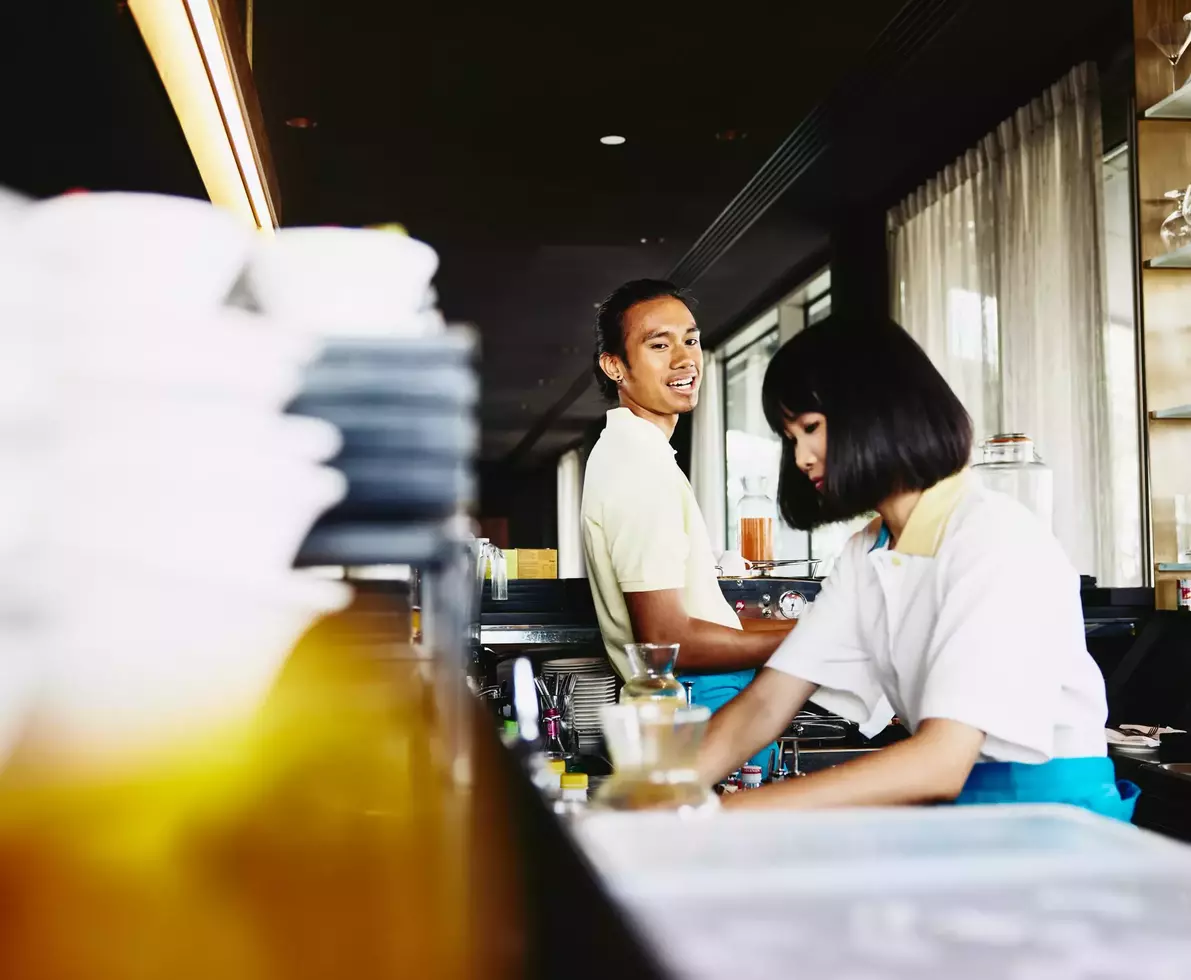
{"x": 1088, "y": 782}
{"x": 716, "y": 690}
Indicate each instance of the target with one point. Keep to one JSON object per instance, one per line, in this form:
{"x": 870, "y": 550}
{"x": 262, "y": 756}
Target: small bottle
{"x": 572, "y": 800}
{"x": 750, "y": 777}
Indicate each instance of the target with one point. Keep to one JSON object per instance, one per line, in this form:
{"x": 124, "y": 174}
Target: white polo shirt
{"x": 643, "y": 532}
{"x": 974, "y": 617}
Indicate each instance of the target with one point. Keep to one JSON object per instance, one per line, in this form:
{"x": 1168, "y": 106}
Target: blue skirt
{"x": 716, "y": 690}
{"x": 1088, "y": 782}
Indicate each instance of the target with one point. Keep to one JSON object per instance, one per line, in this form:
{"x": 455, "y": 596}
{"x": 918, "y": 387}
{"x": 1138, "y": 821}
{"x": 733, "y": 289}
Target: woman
{"x": 955, "y": 604}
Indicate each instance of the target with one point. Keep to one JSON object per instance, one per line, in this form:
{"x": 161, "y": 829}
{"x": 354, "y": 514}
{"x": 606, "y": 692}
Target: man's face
{"x": 665, "y": 361}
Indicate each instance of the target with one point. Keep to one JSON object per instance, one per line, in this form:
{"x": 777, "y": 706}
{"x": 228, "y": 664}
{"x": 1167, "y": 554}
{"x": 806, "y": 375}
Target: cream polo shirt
{"x": 643, "y": 532}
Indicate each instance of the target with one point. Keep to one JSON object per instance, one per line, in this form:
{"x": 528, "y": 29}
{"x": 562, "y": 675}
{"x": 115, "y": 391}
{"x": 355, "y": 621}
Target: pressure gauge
{"x": 791, "y": 604}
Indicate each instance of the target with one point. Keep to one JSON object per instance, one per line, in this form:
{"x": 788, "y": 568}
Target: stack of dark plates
{"x": 392, "y": 377}
{"x": 406, "y": 408}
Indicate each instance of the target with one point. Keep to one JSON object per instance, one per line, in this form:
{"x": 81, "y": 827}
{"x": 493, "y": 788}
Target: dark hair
{"x": 893, "y": 423}
{"x": 609, "y": 326}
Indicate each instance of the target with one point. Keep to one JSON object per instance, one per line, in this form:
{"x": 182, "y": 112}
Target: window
{"x": 1022, "y": 296}
{"x": 1121, "y": 369}
{"x": 751, "y": 448}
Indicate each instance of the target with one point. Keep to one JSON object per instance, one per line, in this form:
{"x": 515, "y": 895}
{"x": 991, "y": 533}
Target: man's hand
{"x": 661, "y": 617}
{"x": 930, "y": 767}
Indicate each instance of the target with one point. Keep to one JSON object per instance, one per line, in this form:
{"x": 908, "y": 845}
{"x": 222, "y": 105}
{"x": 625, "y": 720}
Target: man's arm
{"x": 930, "y": 767}
{"x": 660, "y": 617}
{"x": 750, "y": 721}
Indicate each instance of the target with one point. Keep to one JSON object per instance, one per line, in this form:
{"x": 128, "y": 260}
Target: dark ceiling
{"x": 479, "y": 130}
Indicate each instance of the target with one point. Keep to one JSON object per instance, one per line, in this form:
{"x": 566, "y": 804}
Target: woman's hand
{"x": 930, "y": 767}
{"x": 750, "y": 721}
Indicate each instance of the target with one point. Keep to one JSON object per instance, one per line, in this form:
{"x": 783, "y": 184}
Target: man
{"x": 649, "y": 558}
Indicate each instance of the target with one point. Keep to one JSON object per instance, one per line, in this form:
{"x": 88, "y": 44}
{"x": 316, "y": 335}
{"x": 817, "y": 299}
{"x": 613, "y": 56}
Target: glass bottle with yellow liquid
{"x": 653, "y": 674}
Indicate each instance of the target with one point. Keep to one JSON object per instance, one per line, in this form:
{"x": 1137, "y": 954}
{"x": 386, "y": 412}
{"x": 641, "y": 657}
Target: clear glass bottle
{"x": 1011, "y": 465}
{"x": 758, "y": 515}
{"x": 555, "y": 746}
{"x": 653, "y": 674}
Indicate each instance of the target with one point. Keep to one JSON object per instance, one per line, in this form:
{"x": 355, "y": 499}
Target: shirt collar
{"x": 923, "y": 534}
{"x": 621, "y": 420}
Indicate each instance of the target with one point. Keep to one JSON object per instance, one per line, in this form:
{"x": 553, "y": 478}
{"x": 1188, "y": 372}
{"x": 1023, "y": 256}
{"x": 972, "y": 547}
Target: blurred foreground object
{"x": 187, "y": 795}
{"x": 156, "y": 494}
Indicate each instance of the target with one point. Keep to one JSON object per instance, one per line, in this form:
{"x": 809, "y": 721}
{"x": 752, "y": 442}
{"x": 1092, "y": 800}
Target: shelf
{"x": 1181, "y": 412}
{"x": 1178, "y": 259}
{"x": 1177, "y": 105}
{"x": 1171, "y": 566}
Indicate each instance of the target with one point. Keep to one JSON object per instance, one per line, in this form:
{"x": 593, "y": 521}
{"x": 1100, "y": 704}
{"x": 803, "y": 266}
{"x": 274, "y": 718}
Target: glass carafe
{"x": 654, "y": 752}
{"x": 653, "y": 674}
{"x": 757, "y": 518}
{"x": 1011, "y": 465}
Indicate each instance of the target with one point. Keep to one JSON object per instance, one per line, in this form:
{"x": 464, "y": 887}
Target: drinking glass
{"x": 653, "y": 674}
{"x": 1171, "y": 39}
{"x": 1182, "y": 524}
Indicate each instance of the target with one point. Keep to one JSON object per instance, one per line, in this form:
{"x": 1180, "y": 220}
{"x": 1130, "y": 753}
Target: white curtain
{"x": 998, "y": 271}
{"x": 572, "y": 563}
{"x": 708, "y": 475}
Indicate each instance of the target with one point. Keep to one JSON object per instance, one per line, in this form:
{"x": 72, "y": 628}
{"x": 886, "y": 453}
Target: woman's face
{"x": 808, "y": 432}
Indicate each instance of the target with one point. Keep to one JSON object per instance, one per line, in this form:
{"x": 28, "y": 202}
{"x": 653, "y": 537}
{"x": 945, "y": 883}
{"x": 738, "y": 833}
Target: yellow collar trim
{"x": 923, "y": 534}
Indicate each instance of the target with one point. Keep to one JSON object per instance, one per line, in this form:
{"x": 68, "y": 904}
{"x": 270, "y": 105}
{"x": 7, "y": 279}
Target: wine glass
{"x": 1171, "y": 39}
{"x": 1176, "y": 229}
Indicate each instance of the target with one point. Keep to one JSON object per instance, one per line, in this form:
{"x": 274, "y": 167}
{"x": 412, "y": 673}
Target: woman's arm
{"x": 751, "y": 720}
{"x": 930, "y": 767}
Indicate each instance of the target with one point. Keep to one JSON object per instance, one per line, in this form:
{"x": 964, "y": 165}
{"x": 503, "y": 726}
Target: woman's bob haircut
{"x": 893, "y": 423}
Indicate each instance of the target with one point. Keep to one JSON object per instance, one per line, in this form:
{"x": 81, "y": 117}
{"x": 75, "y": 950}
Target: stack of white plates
{"x": 155, "y": 490}
{"x": 595, "y": 687}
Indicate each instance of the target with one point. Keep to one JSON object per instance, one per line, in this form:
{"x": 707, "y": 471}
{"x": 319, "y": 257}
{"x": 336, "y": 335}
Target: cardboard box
{"x": 533, "y": 563}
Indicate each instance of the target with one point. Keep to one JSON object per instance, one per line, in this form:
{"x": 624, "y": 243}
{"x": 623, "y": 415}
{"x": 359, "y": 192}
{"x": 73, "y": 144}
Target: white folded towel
{"x": 1138, "y": 736}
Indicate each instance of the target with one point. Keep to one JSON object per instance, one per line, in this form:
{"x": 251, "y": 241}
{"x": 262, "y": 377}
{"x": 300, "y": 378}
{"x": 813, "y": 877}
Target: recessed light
{"x": 644, "y": 241}
{"x": 612, "y": 140}
{"x": 301, "y": 122}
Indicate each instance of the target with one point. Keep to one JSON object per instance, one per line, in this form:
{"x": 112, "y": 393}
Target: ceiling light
{"x": 612, "y": 140}
{"x": 190, "y": 46}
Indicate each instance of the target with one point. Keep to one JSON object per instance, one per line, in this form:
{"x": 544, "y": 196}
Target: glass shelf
{"x": 1178, "y": 259}
{"x": 1177, "y": 105}
{"x": 1182, "y": 412}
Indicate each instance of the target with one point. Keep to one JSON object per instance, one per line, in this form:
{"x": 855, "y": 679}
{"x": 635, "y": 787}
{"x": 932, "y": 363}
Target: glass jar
{"x": 1011, "y": 465}
{"x": 653, "y": 674}
{"x": 757, "y": 518}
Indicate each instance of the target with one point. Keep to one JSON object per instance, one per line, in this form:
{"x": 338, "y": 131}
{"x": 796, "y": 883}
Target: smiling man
{"x": 649, "y": 557}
